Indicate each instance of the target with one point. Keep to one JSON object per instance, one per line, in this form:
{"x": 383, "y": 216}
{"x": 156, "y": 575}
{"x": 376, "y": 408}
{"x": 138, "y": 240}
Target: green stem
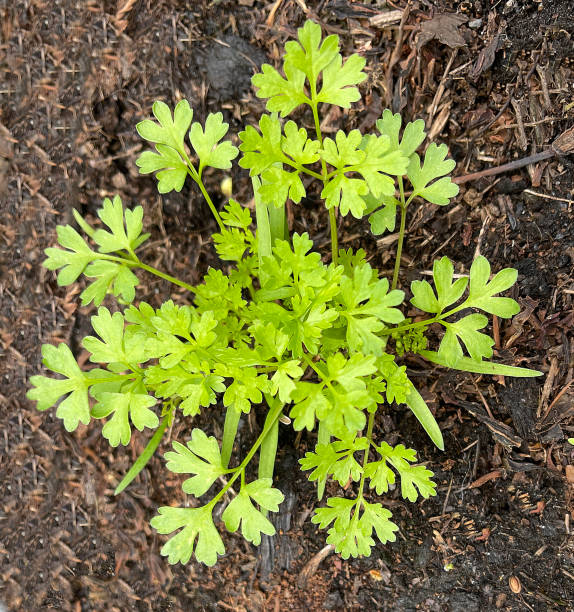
{"x": 332, "y": 211}
{"x": 323, "y": 437}
{"x": 155, "y": 271}
{"x": 196, "y": 176}
{"x": 403, "y": 205}
{"x": 425, "y": 322}
{"x": 334, "y": 238}
{"x": 273, "y": 415}
{"x": 370, "y": 426}
{"x": 268, "y": 450}
{"x": 232, "y": 417}
{"x": 320, "y": 374}
{"x": 210, "y": 203}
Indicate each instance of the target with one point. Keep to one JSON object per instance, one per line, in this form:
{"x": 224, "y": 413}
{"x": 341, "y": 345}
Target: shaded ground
{"x": 75, "y": 78}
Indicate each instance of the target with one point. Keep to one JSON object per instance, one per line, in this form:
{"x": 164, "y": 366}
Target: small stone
{"x": 475, "y": 24}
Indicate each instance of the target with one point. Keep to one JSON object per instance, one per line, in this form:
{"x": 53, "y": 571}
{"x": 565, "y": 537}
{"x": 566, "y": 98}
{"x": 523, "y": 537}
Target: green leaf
{"x": 284, "y": 379}
{"x": 113, "y": 347}
{"x": 378, "y": 162}
{"x": 434, "y": 166}
{"x": 74, "y": 408}
{"x": 261, "y": 149}
{"x": 424, "y": 416}
{"x": 370, "y": 157}
{"x": 120, "y": 237}
{"x": 308, "y": 399}
{"x": 231, "y": 244}
{"x": 126, "y": 406}
{"x": 309, "y": 54}
{"x": 482, "y": 291}
{"x": 170, "y": 167}
{"x": 247, "y": 388}
{"x": 368, "y": 304}
{"x": 285, "y": 94}
{"x": 385, "y": 218}
{"x": 351, "y": 535}
{"x": 346, "y": 193}
{"x": 466, "y": 364}
{"x": 397, "y": 382}
{"x": 279, "y": 184}
{"x": 235, "y": 215}
{"x": 198, "y": 524}
{"x": 200, "y": 394}
{"x": 242, "y": 511}
{"x": 413, "y": 477}
{"x": 201, "y": 457}
{"x": 477, "y": 344}
{"x": 72, "y": 261}
{"x": 338, "y": 81}
{"x": 448, "y": 292}
{"x": 344, "y": 150}
{"x": 170, "y": 131}
{"x": 334, "y": 459}
{"x": 298, "y": 146}
{"x": 378, "y": 518}
{"x": 207, "y": 146}
{"x": 414, "y": 134}
{"x": 111, "y": 277}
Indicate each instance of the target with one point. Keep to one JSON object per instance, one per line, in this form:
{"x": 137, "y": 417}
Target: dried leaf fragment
{"x": 443, "y": 27}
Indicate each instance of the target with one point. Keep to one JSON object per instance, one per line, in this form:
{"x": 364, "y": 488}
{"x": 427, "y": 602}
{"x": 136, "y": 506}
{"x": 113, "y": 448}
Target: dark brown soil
{"x": 75, "y": 78}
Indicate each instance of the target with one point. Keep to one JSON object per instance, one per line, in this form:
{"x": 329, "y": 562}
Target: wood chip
{"x": 484, "y": 479}
{"x": 382, "y": 20}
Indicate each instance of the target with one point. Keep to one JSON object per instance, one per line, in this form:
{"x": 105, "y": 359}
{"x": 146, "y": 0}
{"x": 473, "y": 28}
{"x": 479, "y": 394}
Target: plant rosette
{"x": 276, "y": 326}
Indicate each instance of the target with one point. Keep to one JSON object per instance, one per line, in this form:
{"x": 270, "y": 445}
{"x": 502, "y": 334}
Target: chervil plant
{"x": 278, "y": 327}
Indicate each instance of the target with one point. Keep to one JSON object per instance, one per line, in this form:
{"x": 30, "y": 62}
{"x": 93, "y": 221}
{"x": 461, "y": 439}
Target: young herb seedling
{"x": 276, "y": 326}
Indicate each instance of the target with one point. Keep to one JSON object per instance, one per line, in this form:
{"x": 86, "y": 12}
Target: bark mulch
{"x": 494, "y": 81}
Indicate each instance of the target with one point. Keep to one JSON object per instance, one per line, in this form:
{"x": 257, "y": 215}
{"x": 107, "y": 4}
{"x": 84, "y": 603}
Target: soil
{"x": 496, "y": 86}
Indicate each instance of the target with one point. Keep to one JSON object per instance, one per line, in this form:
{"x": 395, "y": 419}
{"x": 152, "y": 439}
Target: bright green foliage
{"x": 305, "y": 61}
{"x": 482, "y": 291}
{"x": 368, "y": 157}
{"x": 171, "y": 161}
{"x": 413, "y": 477}
{"x": 198, "y": 525}
{"x": 351, "y": 533}
{"x": 434, "y": 166}
{"x": 74, "y": 409}
{"x": 126, "y": 406}
{"x": 206, "y": 143}
{"x": 279, "y": 327}
{"x": 171, "y": 130}
{"x": 112, "y": 274}
{"x": 242, "y": 511}
{"x": 447, "y": 291}
{"x": 413, "y": 136}
{"x": 201, "y": 457}
{"x": 335, "y": 459}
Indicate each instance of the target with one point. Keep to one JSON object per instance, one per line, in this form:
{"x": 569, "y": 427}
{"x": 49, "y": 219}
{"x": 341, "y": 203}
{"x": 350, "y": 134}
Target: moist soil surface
{"x": 494, "y": 84}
